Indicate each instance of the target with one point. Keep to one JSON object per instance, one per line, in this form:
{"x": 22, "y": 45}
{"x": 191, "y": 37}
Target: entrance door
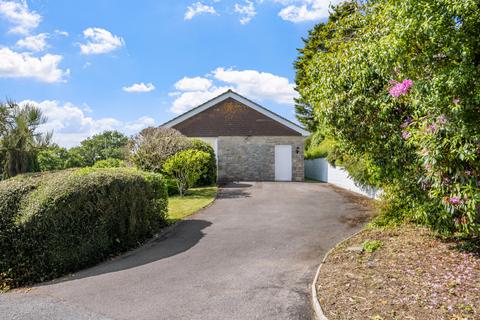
{"x": 283, "y": 163}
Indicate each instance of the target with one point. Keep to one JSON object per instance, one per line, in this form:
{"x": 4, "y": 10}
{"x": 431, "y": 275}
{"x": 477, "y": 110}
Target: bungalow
{"x": 251, "y": 143}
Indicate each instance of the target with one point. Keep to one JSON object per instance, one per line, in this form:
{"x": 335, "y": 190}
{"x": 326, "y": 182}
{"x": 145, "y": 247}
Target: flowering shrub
{"x": 419, "y": 134}
{"x": 400, "y": 88}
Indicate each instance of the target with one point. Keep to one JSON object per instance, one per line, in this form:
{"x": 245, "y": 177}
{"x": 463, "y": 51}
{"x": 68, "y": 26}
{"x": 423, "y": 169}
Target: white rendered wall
{"x": 321, "y": 170}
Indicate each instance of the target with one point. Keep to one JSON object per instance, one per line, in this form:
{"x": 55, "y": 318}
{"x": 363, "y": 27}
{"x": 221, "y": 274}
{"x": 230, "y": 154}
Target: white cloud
{"x": 139, "y": 124}
{"x": 258, "y": 85}
{"x": 139, "y": 87}
{"x": 25, "y": 65}
{"x": 198, "y": 8}
{"x": 190, "y": 99}
{"x": 62, "y": 33}
{"x": 306, "y": 10}
{"x": 34, "y": 43}
{"x": 193, "y": 84}
{"x": 247, "y": 11}
{"x": 18, "y": 14}
{"x": 70, "y": 125}
{"x": 251, "y": 83}
{"x": 100, "y": 41}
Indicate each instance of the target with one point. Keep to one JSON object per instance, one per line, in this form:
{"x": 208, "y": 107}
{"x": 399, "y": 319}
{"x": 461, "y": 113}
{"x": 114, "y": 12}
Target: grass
{"x": 194, "y": 200}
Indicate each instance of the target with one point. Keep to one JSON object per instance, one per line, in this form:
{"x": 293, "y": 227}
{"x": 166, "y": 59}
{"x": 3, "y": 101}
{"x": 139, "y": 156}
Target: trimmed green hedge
{"x": 59, "y": 222}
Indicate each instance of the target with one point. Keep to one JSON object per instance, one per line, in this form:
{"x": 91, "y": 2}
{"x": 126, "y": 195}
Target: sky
{"x": 96, "y": 65}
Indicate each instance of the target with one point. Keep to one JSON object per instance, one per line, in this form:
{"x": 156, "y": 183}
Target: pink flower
{"x": 432, "y": 128}
{"x": 456, "y": 101}
{"x": 400, "y": 88}
{"x": 442, "y": 119}
{"x": 406, "y": 123}
{"x": 405, "y": 135}
{"x": 454, "y": 200}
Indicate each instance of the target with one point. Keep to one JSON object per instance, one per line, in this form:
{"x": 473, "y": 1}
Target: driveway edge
{"x": 317, "y": 308}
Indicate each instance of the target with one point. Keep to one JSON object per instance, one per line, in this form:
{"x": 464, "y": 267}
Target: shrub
{"x": 153, "y": 146}
{"x": 109, "y": 163}
{"x": 320, "y": 150}
{"x": 59, "y": 222}
{"x": 186, "y": 167}
{"x": 172, "y": 187}
{"x": 210, "y": 175}
{"x": 399, "y": 85}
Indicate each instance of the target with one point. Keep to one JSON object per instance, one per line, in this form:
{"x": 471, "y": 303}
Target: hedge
{"x": 59, "y": 222}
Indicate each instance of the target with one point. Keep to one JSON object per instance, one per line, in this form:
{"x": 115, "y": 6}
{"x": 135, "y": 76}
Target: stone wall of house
{"x": 252, "y": 158}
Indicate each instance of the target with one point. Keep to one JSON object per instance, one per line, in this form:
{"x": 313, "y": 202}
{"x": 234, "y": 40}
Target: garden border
{"x": 317, "y": 308}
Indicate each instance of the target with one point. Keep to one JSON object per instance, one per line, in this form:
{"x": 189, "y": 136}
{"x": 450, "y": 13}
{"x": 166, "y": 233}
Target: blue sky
{"x": 124, "y": 65}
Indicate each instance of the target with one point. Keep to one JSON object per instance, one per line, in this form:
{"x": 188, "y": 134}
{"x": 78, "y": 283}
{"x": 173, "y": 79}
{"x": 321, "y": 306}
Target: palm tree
{"x": 19, "y": 138}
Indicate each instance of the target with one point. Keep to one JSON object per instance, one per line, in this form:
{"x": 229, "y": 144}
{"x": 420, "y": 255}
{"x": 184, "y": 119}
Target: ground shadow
{"x": 233, "y": 185}
{"x": 233, "y": 190}
{"x": 185, "y": 235}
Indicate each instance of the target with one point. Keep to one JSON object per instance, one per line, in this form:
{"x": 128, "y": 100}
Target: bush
{"x": 210, "y": 175}
{"x": 59, "y": 222}
{"x": 398, "y": 85}
{"x": 172, "y": 187}
{"x": 153, "y": 146}
{"x": 186, "y": 167}
{"x": 109, "y": 163}
{"x": 321, "y": 150}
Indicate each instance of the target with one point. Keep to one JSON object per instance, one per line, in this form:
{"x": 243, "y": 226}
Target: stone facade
{"x": 252, "y": 158}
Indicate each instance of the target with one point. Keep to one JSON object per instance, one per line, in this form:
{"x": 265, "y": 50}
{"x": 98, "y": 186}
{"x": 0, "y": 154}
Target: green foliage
{"x": 59, "y": 222}
{"x": 186, "y": 167}
{"x": 109, "y": 163}
{"x": 209, "y": 176}
{"x": 109, "y": 144}
{"x": 52, "y": 157}
{"x": 172, "y": 187}
{"x": 20, "y": 139}
{"x": 371, "y": 246}
{"x": 317, "y": 41}
{"x": 321, "y": 150}
{"x": 153, "y": 146}
{"x": 398, "y": 87}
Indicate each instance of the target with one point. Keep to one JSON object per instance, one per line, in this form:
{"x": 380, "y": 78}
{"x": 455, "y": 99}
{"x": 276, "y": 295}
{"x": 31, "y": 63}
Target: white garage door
{"x": 283, "y": 163}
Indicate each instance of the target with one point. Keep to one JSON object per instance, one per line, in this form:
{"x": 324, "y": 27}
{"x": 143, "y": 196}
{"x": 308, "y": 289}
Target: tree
{"x": 398, "y": 87}
{"x": 109, "y": 144}
{"x": 153, "y": 146}
{"x": 316, "y": 42}
{"x": 186, "y": 167}
{"x": 52, "y": 157}
{"x": 20, "y": 139}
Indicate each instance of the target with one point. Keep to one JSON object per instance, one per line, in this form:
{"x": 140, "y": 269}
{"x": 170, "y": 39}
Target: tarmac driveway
{"x": 251, "y": 255}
